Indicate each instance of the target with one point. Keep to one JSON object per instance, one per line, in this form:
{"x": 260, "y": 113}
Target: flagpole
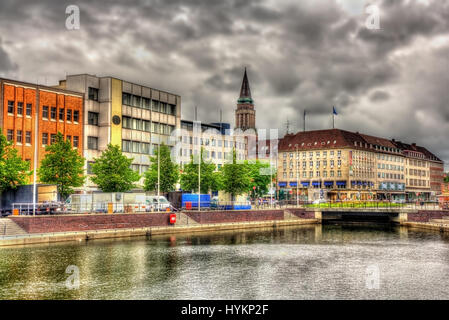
{"x": 304, "y": 120}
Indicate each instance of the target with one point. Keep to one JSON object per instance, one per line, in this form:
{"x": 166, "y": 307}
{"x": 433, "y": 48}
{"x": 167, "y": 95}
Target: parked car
{"x": 51, "y": 207}
{"x": 154, "y": 205}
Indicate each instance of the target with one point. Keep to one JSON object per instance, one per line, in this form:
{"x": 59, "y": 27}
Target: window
{"x": 126, "y": 145}
{"x": 69, "y": 114}
{"x": 146, "y": 103}
{"x": 20, "y": 108}
{"x": 75, "y": 141}
{"x": 61, "y": 114}
{"x": 10, "y": 135}
{"x": 171, "y": 109}
{"x": 69, "y": 138}
{"x": 155, "y": 105}
{"x": 28, "y": 109}
{"x": 52, "y": 138}
{"x": 92, "y": 143}
{"x": 53, "y": 113}
{"x": 76, "y": 115}
{"x": 92, "y": 118}
{"x": 19, "y": 136}
{"x": 45, "y": 139}
{"x": 135, "y": 146}
{"x": 126, "y": 121}
{"x": 45, "y": 112}
{"x": 11, "y": 107}
{"x": 136, "y": 101}
{"x": 163, "y": 107}
{"x": 89, "y": 167}
{"x": 28, "y": 137}
{"x": 93, "y": 94}
{"x": 126, "y": 99}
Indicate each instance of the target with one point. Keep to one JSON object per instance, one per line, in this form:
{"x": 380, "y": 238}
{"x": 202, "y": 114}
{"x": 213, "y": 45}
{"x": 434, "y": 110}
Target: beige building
{"x": 133, "y": 116}
{"x": 339, "y": 165}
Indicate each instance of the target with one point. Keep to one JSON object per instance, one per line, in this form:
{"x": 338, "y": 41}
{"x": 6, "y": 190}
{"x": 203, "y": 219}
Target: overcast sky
{"x": 300, "y": 54}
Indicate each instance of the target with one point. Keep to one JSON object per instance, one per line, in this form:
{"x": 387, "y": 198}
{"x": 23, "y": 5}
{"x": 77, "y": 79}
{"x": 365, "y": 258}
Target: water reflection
{"x": 301, "y": 262}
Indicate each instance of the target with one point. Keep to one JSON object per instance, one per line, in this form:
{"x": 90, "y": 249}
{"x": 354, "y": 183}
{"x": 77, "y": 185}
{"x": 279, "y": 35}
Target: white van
{"x": 152, "y": 203}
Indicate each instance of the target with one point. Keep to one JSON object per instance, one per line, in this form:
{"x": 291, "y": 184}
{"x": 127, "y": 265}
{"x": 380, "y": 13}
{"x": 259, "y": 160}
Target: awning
{"x": 342, "y": 183}
{"x": 315, "y": 183}
{"x": 305, "y": 183}
{"x": 359, "y": 183}
{"x": 282, "y": 184}
{"x": 328, "y": 183}
{"x": 293, "y": 184}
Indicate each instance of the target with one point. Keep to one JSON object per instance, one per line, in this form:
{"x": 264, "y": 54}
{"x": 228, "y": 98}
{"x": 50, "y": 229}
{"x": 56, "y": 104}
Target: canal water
{"x": 302, "y": 262}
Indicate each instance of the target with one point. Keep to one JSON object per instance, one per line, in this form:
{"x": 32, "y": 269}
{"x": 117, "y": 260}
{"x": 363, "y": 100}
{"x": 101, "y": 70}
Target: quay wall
{"x": 64, "y": 223}
{"x": 426, "y": 215}
{"x": 86, "y": 222}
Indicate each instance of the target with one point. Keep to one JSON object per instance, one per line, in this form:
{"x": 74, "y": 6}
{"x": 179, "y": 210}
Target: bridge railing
{"x": 368, "y": 204}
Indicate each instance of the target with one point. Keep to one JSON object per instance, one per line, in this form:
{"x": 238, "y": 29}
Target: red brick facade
{"x": 18, "y": 114}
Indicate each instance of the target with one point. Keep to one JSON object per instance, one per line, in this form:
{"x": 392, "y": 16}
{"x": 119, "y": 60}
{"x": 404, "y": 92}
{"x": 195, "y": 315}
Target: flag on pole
{"x": 334, "y": 113}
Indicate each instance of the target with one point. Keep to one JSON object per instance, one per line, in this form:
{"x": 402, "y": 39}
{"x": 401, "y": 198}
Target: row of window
{"x": 213, "y": 142}
{"x": 317, "y": 154}
{"x": 19, "y": 136}
{"x": 146, "y": 125}
{"x": 19, "y": 108}
{"x": 50, "y": 113}
{"x": 390, "y": 175}
{"x": 317, "y": 164}
{"x": 390, "y": 167}
{"x": 146, "y": 103}
{"x": 136, "y": 147}
{"x": 310, "y": 174}
{"x": 52, "y": 136}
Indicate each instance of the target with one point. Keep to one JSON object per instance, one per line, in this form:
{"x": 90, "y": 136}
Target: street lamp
{"x": 297, "y": 175}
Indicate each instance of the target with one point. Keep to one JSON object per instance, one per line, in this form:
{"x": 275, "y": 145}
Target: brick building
{"x": 57, "y": 111}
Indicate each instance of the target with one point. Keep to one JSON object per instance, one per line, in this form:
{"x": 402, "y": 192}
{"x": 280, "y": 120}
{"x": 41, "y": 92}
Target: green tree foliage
{"x": 259, "y": 173}
{"x": 13, "y": 170}
{"x": 210, "y": 179}
{"x": 446, "y": 177}
{"x": 236, "y": 177}
{"x": 169, "y": 171}
{"x": 112, "y": 172}
{"x": 63, "y": 166}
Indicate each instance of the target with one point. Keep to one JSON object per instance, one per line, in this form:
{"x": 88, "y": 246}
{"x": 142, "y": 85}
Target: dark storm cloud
{"x": 379, "y": 96}
{"x": 300, "y": 55}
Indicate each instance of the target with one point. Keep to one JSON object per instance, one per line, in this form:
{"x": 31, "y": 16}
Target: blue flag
{"x": 334, "y": 111}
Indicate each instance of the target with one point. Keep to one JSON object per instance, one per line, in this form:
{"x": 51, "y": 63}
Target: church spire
{"x": 245, "y": 91}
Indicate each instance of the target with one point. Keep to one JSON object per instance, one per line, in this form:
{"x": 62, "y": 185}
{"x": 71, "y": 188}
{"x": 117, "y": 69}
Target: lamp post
{"x": 297, "y": 176}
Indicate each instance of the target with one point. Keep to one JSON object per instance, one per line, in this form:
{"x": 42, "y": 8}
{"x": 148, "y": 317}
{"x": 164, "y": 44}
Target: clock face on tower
{"x": 116, "y": 120}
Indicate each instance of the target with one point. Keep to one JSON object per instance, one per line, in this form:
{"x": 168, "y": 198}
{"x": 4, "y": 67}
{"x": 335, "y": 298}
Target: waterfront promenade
{"x": 23, "y": 230}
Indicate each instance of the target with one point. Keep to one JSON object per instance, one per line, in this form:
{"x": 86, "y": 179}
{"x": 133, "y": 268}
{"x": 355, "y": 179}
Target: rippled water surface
{"x": 313, "y": 262}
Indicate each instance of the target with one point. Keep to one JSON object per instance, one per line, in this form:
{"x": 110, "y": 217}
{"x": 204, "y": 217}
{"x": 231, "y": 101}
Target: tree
{"x": 446, "y": 177}
{"x": 169, "y": 171}
{"x": 259, "y": 173}
{"x": 112, "y": 171}
{"x": 63, "y": 166}
{"x": 210, "y": 179}
{"x": 13, "y": 170}
{"x": 236, "y": 177}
